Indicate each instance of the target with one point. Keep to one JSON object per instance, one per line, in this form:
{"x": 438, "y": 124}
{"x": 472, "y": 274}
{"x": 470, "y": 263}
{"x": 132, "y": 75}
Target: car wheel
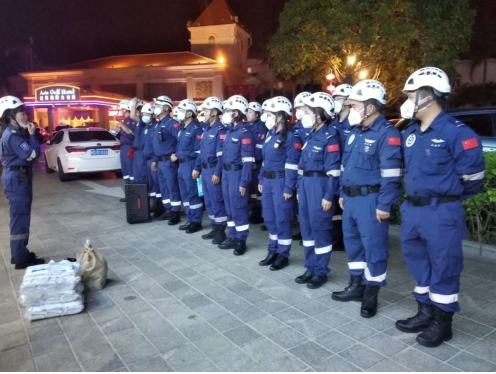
{"x": 62, "y": 176}
{"x": 47, "y": 168}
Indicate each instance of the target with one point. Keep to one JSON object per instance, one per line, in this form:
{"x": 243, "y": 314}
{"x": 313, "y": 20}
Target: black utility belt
{"x": 183, "y": 160}
{"x": 138, "y": 148}
{"x": 229, "y": 167}
{"x": 312, "y": 173}
{"x": 432, "y": 200}
{"x": 164, "y": 158}
{"x": 210, "y": 165}
{"x": 274, "y": 174}
{"x": 360, "y": 191}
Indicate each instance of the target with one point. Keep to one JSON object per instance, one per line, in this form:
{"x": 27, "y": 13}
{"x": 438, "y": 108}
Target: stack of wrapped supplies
{"x": 52, "y": 290}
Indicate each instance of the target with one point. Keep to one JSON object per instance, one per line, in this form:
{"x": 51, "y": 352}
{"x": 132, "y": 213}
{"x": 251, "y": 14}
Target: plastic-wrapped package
{"x": 53, "y": 310}
{"x": 36, "y": 298}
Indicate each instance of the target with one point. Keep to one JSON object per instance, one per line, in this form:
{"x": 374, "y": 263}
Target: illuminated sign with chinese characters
{"x": 57, "y": 93}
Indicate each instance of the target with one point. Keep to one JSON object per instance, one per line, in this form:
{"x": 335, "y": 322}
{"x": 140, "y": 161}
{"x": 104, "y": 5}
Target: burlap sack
{"x": 94, "y": 267}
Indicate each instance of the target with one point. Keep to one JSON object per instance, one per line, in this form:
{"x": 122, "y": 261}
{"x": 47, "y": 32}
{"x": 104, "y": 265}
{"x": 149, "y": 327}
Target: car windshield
{"x": 90, "y": 136}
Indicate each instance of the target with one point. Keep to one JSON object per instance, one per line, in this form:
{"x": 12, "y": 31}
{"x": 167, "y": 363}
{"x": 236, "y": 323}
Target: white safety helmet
{"x": 9, "y": 102}
{"x": 298, "y": 102}
{"x": 140, "y": 103}
{"x": 237, "y": 102}
{"x": 147, "y": 109}
{"x": 124, "y": 104}
{"x": 256, "y": 107}
{"x": 212, "y": 102}
{"x": 175, "y": 112}
{"x": 188, "y": 104}
{"x": 368, "y": 89}
{"x": 343, "y": 90}
{"x": 265, "y": 104}
{"x": 428, "y": 77}
{"x": 164, "y": 100}
{"x": 278, "y": 104}
{"x": 320, "y": 100}
{"x": 224, "y": 103}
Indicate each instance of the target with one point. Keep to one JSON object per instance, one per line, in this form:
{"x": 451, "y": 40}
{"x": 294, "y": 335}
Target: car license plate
{"x": 99, "y": 152}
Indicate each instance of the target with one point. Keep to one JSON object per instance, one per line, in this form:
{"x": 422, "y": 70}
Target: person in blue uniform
{"x": 259, "y": 133}
{"x": 19, "y": 149}
{"x": 340, "y": 96}
{"x": 139, "y": 161}
{"x": 318, "y": 183}
{"x": 370, "y": 185}
{"x": 238, "y": 157}
{"x": 278, "y": 175}
{"x": 187, "y": 152}
{"x": 209, "y": 165}
{"x": 126, "y": 137}
{"x": 444, "y": 165}
{"x": 164, "y": 145}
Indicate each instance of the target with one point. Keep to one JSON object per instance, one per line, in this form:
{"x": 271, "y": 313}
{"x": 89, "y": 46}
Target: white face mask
{"x": 157, "y": 111}
{"x": 270, "y": 123}
{"x": 299, "y": 114}
{"x": 227, "y": 118}
{"x": 263, "y": 118}
{"x": 338, "y": 106}
{"x": 408, "y": 109}
{"x": 355, "y": 118}
{"x": 181, "y": 116}
{"x": 308, "y": 120}
{"x": 146, "y": 119}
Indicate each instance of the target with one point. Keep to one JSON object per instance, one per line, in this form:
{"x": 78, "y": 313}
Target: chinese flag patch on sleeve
{"x": 470, "y": 143}
{"x": 333, "y": 148}
{"x": 246, "y": 141}
{"x": 394, "y": 141}
{"x": 198, "y": 137}
{"x": 222, "y": 136}
{"x": 177, "y": 125}
{"x": 298, "y": 146}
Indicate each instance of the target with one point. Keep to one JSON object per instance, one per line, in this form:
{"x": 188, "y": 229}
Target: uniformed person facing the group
{"x": 370, "y": 185}
{"x": 126, "y": 137}
{"x": 209, "y": 164}
{"x": 238, "y": 158}
{"x": 278, "y": 176}
{"x": 318, "y": 184}
{"x": 139, "y": 162}
{"x": 444, "y": 165}
{"x": 187, "y": 152}
{"x": 19, "y": 149}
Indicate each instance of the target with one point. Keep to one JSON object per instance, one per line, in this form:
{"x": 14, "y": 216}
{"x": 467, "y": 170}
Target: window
{"x": 57, "y": 138}
{"x": 480, "y": 122}
{"x": 90, "y": 136}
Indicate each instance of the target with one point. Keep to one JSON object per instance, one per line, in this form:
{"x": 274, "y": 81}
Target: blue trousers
{"x": 431, "y": 240}
{"x": 315, "y": 224}
{"x": 189, "y": 192}
{"x": 126, "y": 163}
{"x": 236, "y": 205}
{"x": 255, "y": 194}
{"x": 169, "y": 186}
{"x": 139, "y": 167}
{"x": 152, "y": 178}
{"x": 277, "y": 214}
{"x": 18, "y": 188}
{"x": 214, "y": 200}
{"x": 366, "y": 240}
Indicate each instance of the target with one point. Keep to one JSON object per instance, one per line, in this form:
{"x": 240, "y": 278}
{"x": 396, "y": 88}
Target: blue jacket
{"x": 148, "y": 135}
{"x": 321, "y": 153}
{"x": 259, "y": 133}
{"x": 139, "y": 130}
{"x": 211, "y": 147}
{"x": 282, "y": 157}
{"x": 373, "y": 157}
{"x": 444, "y": 160}
{"x": 18, "y": 148}
{"x": 127, "y": 139}
{"x": 344, "y": 128}
{"x": 301, "y": 131}
{"x": 188, "y": 141}
{"x": 239, "y": 149}
{"x": 165, "y": 137}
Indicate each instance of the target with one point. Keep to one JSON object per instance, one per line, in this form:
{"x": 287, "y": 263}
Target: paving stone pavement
{"x": 175, "y": 302}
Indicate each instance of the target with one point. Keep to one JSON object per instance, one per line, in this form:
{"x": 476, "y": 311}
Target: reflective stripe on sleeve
{"x": 390, "y": 173}
{"x": 248, "y": 159}
{"x": 474, "y": 177}
{"x": 291, "y": 167}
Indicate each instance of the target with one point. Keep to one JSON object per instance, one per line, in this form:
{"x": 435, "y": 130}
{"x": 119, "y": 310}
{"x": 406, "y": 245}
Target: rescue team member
{"x": 188, "y": 150}
{"x": 259, "y": 132}
{"x": 238, "y": 157}
{"x": 263, "y": 118}
{"x": 209, "y": 165}
{"x": 341, "y": 123}
{"x": 319, "y": 171}
{"x": 444, "y": 165}
{"x": 19, "y": 149}
{"x": 126, "y": 137}
{"x": 139, "y": 162}
{"x": 370, "y": 185}
{"x": 164, "y": 145}
{"x": 278, "y": 176}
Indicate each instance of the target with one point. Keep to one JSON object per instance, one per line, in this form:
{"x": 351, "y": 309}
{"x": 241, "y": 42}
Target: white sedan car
{"x": 82, "y": 150}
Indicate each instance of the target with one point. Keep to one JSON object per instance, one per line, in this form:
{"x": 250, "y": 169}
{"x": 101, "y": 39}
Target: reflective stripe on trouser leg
{"x": 352, "y": 239}
{"x": 306, "y": 230}
{"x": 217, "y": 199}
{"x": 171, "y": 176}
{"x": 195, "y": 213}
{"x": 228, "y": 206}
{"x": 152, "y": 178}
{"x": 139, "y": 167}
{"x": 284, "y": 213}
{"x": 206, "y": 175}
{"x": 239, "y": 205}
{"x": 183, "y": 189}
{"x": 163, "y": 184}
{"x": 269, "y": 215}
{"x": 126, "y": 171}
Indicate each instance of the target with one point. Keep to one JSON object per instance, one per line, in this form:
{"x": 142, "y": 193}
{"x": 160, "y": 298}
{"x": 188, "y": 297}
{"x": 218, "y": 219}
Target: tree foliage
{"x": 390, "y": 38}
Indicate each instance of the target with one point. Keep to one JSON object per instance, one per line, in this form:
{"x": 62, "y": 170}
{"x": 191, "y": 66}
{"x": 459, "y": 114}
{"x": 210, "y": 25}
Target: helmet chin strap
{"x": 420, "y": 107}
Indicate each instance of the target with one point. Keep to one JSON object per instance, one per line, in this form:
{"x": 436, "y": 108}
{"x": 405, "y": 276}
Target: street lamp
{"x": 363, "y": 74}
{"x": 351, "y": 60}
{"x": 221, "y": 60}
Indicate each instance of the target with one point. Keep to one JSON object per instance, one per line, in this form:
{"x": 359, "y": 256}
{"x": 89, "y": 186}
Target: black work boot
{"x": 280, "y": 263}
{"x": 304, "y": 278}
{"x": 269, "y": 260}
{"x": 211, "y": 234}
{"x": 354, "y": 290}
{"x": 438, "y": 331}
{"x": 158, "y": 209}
{"x": 229, "y": 243}
{"x": 194, "y": 227}
{"x": 317, "y": 281}
{"x": 185, "y": 226}
{"x": 220, "y": 235}
{"x": 30, "y": 262}
{"x": 164, "y": 216}
{"x": 369, "y": 303}
{"x": 240, "y": 248}
{"x": 32, "y": 256}
{"x": 175, "y": 218}
{"x": 419, "y": 322}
